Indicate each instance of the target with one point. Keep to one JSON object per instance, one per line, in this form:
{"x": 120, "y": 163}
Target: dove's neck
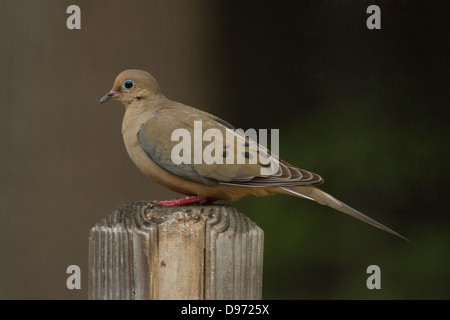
{"x": 136, "y": 114}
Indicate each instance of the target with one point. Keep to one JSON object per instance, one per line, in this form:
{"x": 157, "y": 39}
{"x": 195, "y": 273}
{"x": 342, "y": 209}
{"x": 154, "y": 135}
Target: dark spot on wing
{"x": 266, "y": 165}
{"x": 247, "y": 155}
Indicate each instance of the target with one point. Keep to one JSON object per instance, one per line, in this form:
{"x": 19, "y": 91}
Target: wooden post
{"x": 192, "y": 252}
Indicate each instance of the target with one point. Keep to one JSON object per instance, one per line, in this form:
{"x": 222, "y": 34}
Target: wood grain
{"x": 191, "y": 252}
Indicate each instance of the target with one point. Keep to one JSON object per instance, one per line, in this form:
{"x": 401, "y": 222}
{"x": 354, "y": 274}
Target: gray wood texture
{"x": 192, "y": 252}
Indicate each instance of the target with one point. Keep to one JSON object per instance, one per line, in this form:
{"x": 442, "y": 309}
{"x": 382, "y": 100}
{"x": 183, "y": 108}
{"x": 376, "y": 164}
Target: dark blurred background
{"x": 366, "y": 109}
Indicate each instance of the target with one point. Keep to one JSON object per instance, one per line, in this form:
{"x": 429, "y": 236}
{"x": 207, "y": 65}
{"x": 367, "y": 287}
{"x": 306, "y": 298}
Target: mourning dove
{"x": 150, "y": 134}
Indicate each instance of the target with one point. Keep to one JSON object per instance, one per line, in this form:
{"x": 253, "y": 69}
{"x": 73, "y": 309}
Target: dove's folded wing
{"x": 237, "y": 159}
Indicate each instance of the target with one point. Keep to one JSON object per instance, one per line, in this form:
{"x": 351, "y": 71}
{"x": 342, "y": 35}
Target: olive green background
{"x": 366, "y": 109}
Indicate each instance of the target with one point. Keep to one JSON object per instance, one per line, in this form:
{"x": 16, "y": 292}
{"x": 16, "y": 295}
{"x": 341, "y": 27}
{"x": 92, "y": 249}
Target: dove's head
{"x": 133, "y": 86}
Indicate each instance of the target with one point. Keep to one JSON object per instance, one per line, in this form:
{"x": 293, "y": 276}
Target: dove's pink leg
{"x": 184, "y": 201}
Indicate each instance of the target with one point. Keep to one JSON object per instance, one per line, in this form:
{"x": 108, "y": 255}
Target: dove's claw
{"x": 183, "y": 201}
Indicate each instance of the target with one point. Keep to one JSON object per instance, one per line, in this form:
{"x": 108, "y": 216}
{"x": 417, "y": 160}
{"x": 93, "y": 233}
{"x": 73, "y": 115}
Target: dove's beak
{"x": 109, "y": 96}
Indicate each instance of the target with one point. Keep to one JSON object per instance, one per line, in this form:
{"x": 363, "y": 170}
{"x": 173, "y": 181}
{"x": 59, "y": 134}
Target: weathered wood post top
{"x": 143, "y": 251}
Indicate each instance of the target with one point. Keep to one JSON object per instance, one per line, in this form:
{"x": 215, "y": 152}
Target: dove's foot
{"x": 184, "y": 201}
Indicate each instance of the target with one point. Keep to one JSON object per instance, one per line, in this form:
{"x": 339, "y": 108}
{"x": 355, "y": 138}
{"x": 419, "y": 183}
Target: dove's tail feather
{"x": 324, "y": 198}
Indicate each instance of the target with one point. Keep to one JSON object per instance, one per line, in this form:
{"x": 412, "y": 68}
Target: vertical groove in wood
{"x": 144, "y": 243}
{"x": 195, "y": 252}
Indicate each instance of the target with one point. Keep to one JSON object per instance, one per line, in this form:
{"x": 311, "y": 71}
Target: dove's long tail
{"x": 324, "y": 198}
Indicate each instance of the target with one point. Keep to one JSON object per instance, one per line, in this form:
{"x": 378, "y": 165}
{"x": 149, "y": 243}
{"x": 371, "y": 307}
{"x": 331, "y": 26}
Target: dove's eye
{"x": 127, "y": 84}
